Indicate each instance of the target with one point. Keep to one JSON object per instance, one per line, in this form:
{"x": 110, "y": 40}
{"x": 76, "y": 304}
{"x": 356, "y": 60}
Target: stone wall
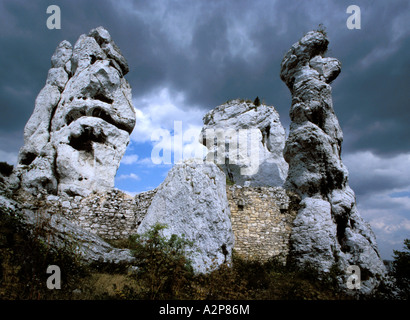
{"x": 261, "y": 220}
{"x": 261, "y": 216}
{"x": 110, "y": 215}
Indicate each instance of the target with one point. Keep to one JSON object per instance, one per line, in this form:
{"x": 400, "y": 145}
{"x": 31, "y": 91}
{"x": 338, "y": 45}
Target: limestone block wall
{"x": 261, "y": 220}
{"x": 110, "y": 215}
{"x": 261, "y": 216}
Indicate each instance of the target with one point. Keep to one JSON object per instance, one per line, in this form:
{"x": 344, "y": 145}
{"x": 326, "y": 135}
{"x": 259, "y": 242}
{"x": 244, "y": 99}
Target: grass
{"x": 161, "y": 272}
{"x": 24, "y": 258}
{"x": 246, "y": 280}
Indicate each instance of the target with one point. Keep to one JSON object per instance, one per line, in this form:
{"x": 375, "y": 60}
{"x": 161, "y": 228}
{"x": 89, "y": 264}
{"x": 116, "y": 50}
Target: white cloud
{"x": 400, "y": 26}
{"x": 146, "y": 162}
{"x": 383, "y": 184}
{"x": 9, "y": 157}
{"x": 129, "y": 159}
{"x": 386, "y": 213}
{"x": 164, "y": 120}
{"x": 131, "y": 176}
{"x": 159, "y": 109}
{"x": 378, "y": 53}
{"x": 390, "y": 222}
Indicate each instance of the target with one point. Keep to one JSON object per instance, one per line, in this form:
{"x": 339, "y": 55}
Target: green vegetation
{"x": 24, "y": 258}
{"x": 322, "y": 29}
{"x": 161, "y": 271}
{"x": 401, "y": 269}
{"x": 229, "y": 182}
{"x": 170, "y": 277}
{"x": 257, "y": 102}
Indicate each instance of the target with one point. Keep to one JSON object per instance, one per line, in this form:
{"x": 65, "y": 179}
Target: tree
{"x": 164, "y": 269}
{"x": 257, "y": 102}
{"x": 401, "y": 267}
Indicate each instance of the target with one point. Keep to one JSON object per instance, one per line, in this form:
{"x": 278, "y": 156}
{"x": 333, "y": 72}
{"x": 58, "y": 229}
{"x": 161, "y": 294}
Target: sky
{"x": 186, "y": 57}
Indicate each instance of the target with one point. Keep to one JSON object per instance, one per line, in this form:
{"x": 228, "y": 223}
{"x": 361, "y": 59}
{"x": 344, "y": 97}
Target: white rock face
{"x": 192, "y": 202}
{"x": 316, "y": 233}
{"x": 80, "y": 127}
{"x": 249, "y": 143}
{"x": 328, "y": 230}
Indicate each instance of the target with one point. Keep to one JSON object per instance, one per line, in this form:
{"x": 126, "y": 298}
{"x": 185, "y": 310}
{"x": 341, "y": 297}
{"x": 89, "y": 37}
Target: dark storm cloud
{"x": 371, "y": 96}
{"x": 26, "y": 48}
{"x": 212, "y": 51}
{"x": 370, "y": 174}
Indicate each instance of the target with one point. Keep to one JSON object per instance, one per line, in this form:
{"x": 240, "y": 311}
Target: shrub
{"x": 322, "y": 29}
{"x": 229, "y": 181}
{"x": 257, "y": 102}
{"x": 224, "y": 283}
{"x": 163, "y": 267}
{"x": 24, "y": 258}
{"x": 162, "y": 271}
{"x": 401, "y": 268}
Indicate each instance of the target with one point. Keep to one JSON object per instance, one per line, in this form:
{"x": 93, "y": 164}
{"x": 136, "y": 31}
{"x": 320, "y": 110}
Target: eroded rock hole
{"x": 74, "y": 115}
{"x": 318, "y": 117}
{"x": 224, "y": 252}
{"x": 319, "y": 49}
{"x": 291, "y": 82}
{"x": 101, "y": 97}
{"x": 93, "y": 59}
{"x": 101, "y": 113}
{"x": 341, "y": 223}
{"x": 84, "y": 142}
{"x": 265, "y": 136}
{"x": 28, "y": 158}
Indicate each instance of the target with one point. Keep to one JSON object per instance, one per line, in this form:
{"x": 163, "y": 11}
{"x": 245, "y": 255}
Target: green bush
{"x": 161, "y": 271}
{"x": 165, "y": 273}
{"x": 401, "y": 268}
{"x": 163, "y": 268}
{"x": 224, "y": 283}
{"x": 257, "y": 102}
{"x": 229, "y": 182}
{"x": 24, "y": 258}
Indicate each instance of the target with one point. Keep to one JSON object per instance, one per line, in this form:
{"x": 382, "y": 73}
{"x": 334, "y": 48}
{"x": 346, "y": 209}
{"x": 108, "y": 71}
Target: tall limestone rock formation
{"x": 82, "y": 120}
{"x": 247, "y": 142}
{"x": 328, "y": 229}
{"x": 73, "y": 144}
